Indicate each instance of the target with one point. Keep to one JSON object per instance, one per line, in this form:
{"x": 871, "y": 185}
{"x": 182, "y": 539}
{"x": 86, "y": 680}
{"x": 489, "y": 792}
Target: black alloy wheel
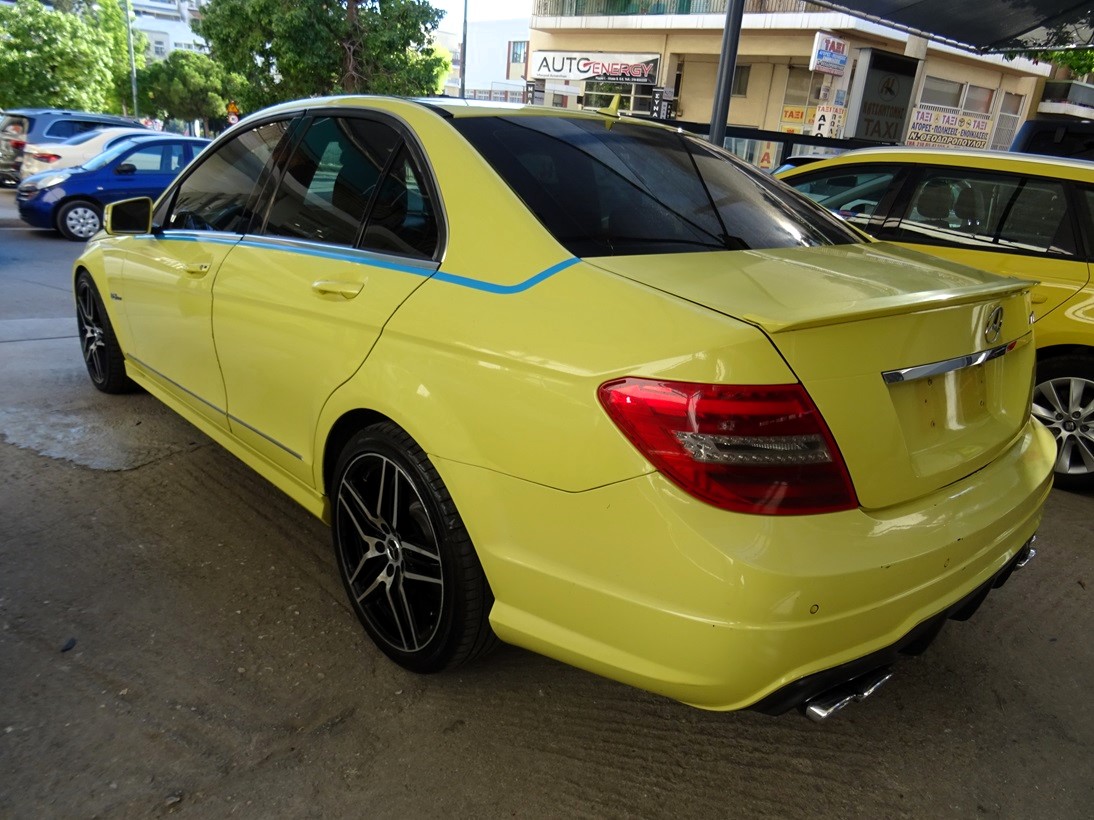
{"x": 1063, "y": 401}
{"x": 405, "y": 558}
{"x": 102, "y": 355}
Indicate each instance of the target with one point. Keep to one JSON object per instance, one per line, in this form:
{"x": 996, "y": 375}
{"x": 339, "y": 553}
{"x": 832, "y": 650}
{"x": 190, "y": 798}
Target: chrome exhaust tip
{"x": 1031, "y": 553}
{"x": 825, "y": 705}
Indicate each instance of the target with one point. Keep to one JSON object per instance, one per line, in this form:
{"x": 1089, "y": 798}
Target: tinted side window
{"x": 156, "y": 159}
{"x": 853, "y": 193}
{"x": 402, "y": 219}
{"x": 987, "y": 211}
{"x": 330, "y": 178}
{"x": 62, "y": 129}
{"x": 220, "y": 194}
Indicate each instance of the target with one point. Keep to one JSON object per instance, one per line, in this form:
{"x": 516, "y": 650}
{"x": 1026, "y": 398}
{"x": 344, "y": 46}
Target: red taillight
{"x": 18, "y": 145}
{"x": 747, "y": 448}
{"x": 46, "y": 157}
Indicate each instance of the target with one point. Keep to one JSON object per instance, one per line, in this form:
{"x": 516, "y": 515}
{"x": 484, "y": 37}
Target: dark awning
{"x": 985, "y": 26}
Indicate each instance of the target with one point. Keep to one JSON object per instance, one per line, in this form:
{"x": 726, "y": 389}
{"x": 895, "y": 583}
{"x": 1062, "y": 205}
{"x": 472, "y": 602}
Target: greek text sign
{"x": 945, "y": 128}
{"x": 829, "y": 54}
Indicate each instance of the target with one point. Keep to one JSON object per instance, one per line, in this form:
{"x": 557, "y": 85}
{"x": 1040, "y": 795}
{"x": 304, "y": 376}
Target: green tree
{"x": 189, "y": 86}
{"x": 53, "y": 58}
{"x": 286, "y": 49}
{"x": 110, "y": 18}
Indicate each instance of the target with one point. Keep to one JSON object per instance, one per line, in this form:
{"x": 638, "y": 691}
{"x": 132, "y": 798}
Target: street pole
{"x": 731, "y": 38}
{"x": 132, "y": 59}
{"x": 463, "y": 54}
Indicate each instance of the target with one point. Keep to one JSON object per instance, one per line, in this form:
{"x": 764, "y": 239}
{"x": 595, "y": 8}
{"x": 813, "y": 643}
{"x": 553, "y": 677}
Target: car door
{"x": 145, "y": 170}
{"x": 297, "y": 309}
{"x": 1011, "y": 224}
{"x": 168, "y": 275}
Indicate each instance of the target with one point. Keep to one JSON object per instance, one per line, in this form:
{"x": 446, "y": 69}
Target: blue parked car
{"x": 72, "y": 199}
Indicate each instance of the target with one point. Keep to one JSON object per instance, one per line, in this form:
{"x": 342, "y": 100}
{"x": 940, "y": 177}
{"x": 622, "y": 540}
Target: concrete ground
{"x": 174, "y": 640}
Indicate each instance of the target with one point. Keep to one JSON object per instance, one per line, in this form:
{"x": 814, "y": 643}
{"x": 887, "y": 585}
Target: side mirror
{"x": 128, "y": 217}
{"x": 126, "y": 168}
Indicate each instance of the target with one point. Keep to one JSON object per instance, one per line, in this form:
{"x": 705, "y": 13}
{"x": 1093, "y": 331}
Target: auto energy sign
{"x": 576, "y": 65}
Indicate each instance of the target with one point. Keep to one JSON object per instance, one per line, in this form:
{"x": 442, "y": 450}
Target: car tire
{"x": 1063, "y": 400}
{"x": 406, "y": 560}
{"x": 79, "y": 219}
{"x": 102, "y": 354}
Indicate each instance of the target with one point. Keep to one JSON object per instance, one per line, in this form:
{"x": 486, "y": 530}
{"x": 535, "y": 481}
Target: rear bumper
{"x": 638, "y": 582}
{"x": 801, "y": 691}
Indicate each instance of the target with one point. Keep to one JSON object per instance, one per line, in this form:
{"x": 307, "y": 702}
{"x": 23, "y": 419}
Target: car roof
{"x": 1000, "y": 160}
{"x": 448, "y": 107}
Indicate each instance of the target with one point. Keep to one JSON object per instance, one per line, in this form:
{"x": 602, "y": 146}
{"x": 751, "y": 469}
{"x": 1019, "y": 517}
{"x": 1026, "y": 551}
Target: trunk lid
{"x": 898, "y": 350}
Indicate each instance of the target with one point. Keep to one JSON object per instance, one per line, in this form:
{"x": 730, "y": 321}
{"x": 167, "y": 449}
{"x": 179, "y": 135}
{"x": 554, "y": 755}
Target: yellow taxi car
{"x": 588, "y": 386}
{"x": 1013, "y": 214}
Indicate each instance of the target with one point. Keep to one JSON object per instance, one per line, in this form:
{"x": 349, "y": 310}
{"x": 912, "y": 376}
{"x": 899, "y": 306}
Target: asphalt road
{"x": 173, "y": 640}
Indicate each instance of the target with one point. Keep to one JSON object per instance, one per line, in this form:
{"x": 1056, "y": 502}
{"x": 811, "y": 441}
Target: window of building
{"x": 634, "y": 98}
{"x": 518, "y": 51}
{"x": 955, "y": 95}
{"x": 803, "y": 88}
{"x": 740, "y": 80}
{"x": 1007, "y": 121}
{"x": 329, "y": 180}
{"x": 160, "y": 48}
{"x": 937, "y": 91}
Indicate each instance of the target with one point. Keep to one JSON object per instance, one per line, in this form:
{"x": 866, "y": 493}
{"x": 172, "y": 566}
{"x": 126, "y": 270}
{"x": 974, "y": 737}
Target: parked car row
{"x": 20, "y": 126}
{"x": 589, "y": 386}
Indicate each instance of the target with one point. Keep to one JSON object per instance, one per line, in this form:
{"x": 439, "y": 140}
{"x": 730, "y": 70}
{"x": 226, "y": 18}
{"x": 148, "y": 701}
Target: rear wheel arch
{"x": 339, "y": 435}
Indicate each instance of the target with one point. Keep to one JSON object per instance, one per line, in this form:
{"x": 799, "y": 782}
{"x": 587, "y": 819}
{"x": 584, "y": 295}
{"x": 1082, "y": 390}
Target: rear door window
{"x": 402, "y": 219}
{"x": 330, "y": 178}
{"x": 986, "y": 211}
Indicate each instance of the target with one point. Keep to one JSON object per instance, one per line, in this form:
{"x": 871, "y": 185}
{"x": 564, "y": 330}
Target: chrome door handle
{"x": 347, "y": 290}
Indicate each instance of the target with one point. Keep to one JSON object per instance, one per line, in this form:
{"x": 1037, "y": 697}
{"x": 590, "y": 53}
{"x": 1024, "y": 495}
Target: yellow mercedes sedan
{"x": 1012, "y": 214}
{"x": 585, "y": 385}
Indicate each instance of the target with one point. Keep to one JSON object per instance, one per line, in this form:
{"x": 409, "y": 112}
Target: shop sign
{"x": 828, "y": 121}
{"x": 829, "y": 54}
{"x": 934, "y": 128}
{"x": 884, "y": 106}
{"x": 575, "y": 65}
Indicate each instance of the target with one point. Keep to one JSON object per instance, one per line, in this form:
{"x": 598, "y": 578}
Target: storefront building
{"x": 801, "y": 68}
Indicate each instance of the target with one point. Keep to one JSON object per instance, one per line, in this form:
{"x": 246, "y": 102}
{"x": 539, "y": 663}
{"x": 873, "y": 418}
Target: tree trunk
{"x": 349, "y": 62}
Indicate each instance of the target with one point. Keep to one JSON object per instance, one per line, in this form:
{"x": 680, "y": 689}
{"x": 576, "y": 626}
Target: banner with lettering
{"x": 941, "y": 128}
{"x": 576, "y": 65}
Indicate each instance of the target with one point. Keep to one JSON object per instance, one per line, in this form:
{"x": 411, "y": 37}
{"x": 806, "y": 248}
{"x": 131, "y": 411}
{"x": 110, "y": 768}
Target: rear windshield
{"x": 13, "y": 126}
{"x": 607, "y": 188}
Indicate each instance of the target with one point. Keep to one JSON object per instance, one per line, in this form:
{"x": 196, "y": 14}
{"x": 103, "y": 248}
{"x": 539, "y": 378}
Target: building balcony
{"x": 1067, "y": 97}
